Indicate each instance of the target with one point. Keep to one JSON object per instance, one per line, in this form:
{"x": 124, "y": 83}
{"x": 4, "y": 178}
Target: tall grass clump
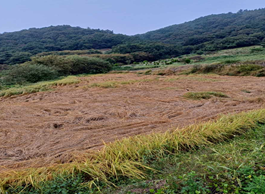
{"x": 204, "y": 95}
{"x": 131, "y": 157}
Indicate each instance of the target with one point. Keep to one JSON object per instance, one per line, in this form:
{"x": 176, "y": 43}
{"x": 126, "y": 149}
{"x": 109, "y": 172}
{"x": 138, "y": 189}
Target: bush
{"x": 207, "y": 68}
{"x": 259, "y": 49}
{"x": 187, "y": 60}
{"x": 115, "y": 58}
{"x": 249, "y": 68}
{"x": 20, "y": 74}
{"x": 81, "y": 65}
{"x": 54, "y": 61}
{"x": 73, "y": 64}
{"x": 230, "y": 61}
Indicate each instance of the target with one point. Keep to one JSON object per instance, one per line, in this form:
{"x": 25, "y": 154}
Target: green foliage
{"x": 73, "y": 64}
{"x": 60, "y": 185}
{"x": 69, "y": 52}
{"x": 214, "y": 32}
{"x": 31, "y": 73}
{"x": 53, "y": 61}
{"x": 248, "y": 68}
{"x": 204, "y": 95}
{"x": 90, "y": 65}
{"x": 230, "y": 61}
{"x": 54, "y": 38}
{"x": 156, "y": 50}
{"x": 254, "y": 50}
{"x": 37, "y": 87}
{"x": 189, "y": 183}
{"x": 116, "y": 58}
{"x": 187, "y": 60}
{"x": 236, "y": 166}
{"x": 231, "y": 70}
{"x": 257, "y": 185}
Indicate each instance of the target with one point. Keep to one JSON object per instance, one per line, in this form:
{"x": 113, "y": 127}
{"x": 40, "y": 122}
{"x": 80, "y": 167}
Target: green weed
{"x": 204, "y": 95}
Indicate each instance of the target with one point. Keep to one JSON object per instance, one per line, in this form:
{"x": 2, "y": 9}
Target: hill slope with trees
{"x": 209, "y": 33}
{"x": 17, "y": 47}
{"x": 214, "y": 32}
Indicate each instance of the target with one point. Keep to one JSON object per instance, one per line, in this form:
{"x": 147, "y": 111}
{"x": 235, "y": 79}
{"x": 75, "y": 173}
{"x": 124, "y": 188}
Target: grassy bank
{"x": 136, "y": 158}
{"x": 38, "y": 87}
{"x": 234, "y": 166}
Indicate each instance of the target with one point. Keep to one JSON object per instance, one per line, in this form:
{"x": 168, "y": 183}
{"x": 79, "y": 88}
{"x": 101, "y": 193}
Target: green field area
{"x": 245, "y": 55}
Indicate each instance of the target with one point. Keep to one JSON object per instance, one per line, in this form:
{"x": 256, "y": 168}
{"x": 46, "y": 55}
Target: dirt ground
{"x": 47, "y": 127}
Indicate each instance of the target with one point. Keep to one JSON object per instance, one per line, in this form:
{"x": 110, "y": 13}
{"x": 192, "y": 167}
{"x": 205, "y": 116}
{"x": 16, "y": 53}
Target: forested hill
{"x": 210, "y": 33}
{"x": 16, "y": 47}
{"x": 215, "y": 32}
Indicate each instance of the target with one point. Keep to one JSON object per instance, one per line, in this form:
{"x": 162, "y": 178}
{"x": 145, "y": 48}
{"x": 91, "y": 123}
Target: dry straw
{"x": 125, "y": 158}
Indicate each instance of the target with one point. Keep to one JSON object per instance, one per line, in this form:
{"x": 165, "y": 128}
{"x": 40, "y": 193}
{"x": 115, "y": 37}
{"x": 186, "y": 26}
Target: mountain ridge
{"x": 207, "y": 33}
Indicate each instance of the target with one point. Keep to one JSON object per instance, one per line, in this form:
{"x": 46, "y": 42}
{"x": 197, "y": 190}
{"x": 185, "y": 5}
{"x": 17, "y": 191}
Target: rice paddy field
{"x": 178, "y": 128}
{"x": 65, "y": 130}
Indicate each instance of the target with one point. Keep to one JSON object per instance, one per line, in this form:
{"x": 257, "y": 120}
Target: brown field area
{"x": 50, "y": 127}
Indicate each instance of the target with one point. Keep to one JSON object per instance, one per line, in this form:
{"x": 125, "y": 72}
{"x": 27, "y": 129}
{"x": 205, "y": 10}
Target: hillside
{"x": 17, "y": 47}
{"x": 214, "y": 32}
{"x": 209, "y": 33}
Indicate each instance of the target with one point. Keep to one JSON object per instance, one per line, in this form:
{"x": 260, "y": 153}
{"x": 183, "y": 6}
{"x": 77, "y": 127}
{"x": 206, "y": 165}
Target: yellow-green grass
{"x": 115, "y": 84}
{"x": 192, "y": 78}
{"x": 204, "y": 95}
{"x": 237, "y": 55}
{"x": 124, "y": 158}
{"x": 38, "y": 87}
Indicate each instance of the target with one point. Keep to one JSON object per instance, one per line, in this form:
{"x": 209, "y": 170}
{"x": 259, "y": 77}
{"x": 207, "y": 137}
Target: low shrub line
{"x": 230, "y": 70}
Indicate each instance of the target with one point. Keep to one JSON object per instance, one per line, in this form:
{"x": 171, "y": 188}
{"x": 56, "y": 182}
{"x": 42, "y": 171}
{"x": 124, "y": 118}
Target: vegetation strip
{"x": 125, "y": 158}
{"x": 115, "y": 84}
{"x": 204, "y": 95}
{"x": 38, "y": 87}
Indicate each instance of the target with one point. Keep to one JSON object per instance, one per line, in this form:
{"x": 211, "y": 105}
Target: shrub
{"x": 249, "y": 68}
{"x": 81, "y": 65}
{"x": 254, "y": 50}
{"x": 230, "y": 61}
{"x": 206, "y": 68}
{"x": 212, "y": 68}
{"x": 70, "y": 52}
{"x": 115, "y": 58}
{"x": 57, "y": 62}
{"x": 261, "y": 73}
{"x": 32, "y": 73}
{"x": 187, "y": 61}
{"x": 73, "y": 64}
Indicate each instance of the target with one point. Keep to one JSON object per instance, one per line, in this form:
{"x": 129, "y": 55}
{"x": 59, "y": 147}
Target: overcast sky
{"x": 122, "y": 16}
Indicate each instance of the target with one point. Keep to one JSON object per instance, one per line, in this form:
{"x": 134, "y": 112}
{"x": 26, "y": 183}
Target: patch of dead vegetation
{"x": 47, "y": 128}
